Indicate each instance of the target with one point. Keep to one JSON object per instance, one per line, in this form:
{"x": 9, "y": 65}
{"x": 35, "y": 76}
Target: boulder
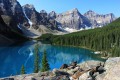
{"x": 90, "y": 64}
{"x": 29, "y": 78}
{"x": 62, "y": 77}
{"x": 78, "y": 74}
{"x": 72, "y": 71}
{"x": 111, "y": 62}
{"x": 95, "y": 74}
{"x": 64, "y": 66}
{"x": 85, "y": 76}
{"x": 57, "y": 72}
{"x": 100, "y": 76}
{"x": 47, "y": 73}
{"x": 71, "y": 67}
{"x": 74, "y": 64}
{"x": 8, "y": 79}
{"x": 100, "y": 69}
{"x": 112, "y": 72}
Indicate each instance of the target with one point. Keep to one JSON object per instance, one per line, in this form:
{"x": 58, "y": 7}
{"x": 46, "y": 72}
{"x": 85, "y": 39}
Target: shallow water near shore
{"x": 13, "y": 57}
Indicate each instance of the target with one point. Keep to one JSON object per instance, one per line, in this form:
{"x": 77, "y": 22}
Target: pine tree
{"x": 45, "y": 64}
{"x": 22, "y": 70}
{"x": 36, "y": 59}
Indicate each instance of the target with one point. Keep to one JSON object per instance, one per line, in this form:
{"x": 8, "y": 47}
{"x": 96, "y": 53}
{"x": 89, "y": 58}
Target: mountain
{"x": 13, "y": 9}
{"x": 52, "y": 15}
{"x": 8, "y": 33}
{"x": 72, "y": 19}
{"x": 99, "y": 20}
{"x": 27, "y": 19}
{"x": 10, "y": 15}
{"x": 38, "y": 22}
{"x": 106, "y": 38}
{"x": 31, "y": 23}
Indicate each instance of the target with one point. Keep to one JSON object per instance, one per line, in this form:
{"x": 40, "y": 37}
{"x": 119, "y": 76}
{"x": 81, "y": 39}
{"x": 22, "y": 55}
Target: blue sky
{"x": 99, "y": 6}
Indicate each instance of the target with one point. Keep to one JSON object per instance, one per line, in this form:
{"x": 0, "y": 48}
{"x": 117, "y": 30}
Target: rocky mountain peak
{"x": 111, "y": 15}
{"x": 90, "y": 13}
{"x": 29, "y": 6}
{"x": 72, "y": 19}
{"x": 52, "y": 14}
{"x": 13, "y": 9}
{"x": 99, "y": 20}
{"x": 29, "y": 18}
{"x": 73, "y": 11}
{"x": 43, "y": 11}
{"x": 8, "y": 6}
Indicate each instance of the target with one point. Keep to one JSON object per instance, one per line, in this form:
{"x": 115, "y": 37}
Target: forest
{"x": 106, "y": 38}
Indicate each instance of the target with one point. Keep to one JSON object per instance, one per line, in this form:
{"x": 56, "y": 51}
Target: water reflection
{"x": 12, "y": 57}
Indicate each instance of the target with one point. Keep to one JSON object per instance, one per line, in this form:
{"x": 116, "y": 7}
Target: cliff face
{"x": 13, "y": 9}
{"x": 73, "y": 19}
{"x": 34, "y": 24}
{"x": 9, "y": 33}
{"x": 98, "y": 20}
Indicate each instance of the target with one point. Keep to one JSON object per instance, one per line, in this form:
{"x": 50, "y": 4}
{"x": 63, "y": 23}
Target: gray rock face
{"x": 48, "y": 20}
{"x": 98, "y": 20}
{"x": 52, "y": 15}
{"x": 31, "y": 13}
{"x": 7, "y": 35}
{"x": 27, "y": 19}
{"x": 112, "y": 70}
{"x": 13, "y": 9}
{"x": 39, "y": 18}
{"x": 72, "y": 19}
{"x": 87, "y": 65}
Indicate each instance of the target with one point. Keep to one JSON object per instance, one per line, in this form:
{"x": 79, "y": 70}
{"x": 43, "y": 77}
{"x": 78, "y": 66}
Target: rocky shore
{"x": 89, "y": 70}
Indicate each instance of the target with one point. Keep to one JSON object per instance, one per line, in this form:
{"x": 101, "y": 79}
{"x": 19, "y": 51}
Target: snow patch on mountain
{"x": 70, "y": 30}
{"x": 99, "y": 22}
{"x": 27, "y": 18}
{"x": 19, "y": 26}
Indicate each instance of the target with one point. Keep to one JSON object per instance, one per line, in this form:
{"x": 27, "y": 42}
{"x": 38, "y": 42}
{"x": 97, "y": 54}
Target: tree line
{"x": 106, "y": 38}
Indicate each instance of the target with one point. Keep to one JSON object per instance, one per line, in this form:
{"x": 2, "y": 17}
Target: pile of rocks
{"x": 89, "y": 70}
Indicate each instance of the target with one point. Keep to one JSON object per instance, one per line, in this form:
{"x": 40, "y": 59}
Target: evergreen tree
{"x": 22, "y": 70}
{"x": 36, "y": 59}
{"x": 45, "y": 64}
{"x": 99, "y": 39}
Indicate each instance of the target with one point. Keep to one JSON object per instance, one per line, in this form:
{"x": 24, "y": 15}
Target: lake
{"x": 13, "y": 57}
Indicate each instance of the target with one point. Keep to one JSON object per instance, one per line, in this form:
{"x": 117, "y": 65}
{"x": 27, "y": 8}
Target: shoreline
{"x": 74, "y": 71}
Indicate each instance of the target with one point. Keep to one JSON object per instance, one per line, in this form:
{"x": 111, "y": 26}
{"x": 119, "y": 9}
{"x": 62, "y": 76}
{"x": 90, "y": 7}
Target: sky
{"x": 59, "y": 6}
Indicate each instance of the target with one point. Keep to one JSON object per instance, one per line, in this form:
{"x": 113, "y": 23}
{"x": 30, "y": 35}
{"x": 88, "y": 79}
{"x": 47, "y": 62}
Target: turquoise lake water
{"x": 13, "y": 57}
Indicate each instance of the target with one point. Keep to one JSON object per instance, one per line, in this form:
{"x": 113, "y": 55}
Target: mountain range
{"x": 25, "y": 20}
